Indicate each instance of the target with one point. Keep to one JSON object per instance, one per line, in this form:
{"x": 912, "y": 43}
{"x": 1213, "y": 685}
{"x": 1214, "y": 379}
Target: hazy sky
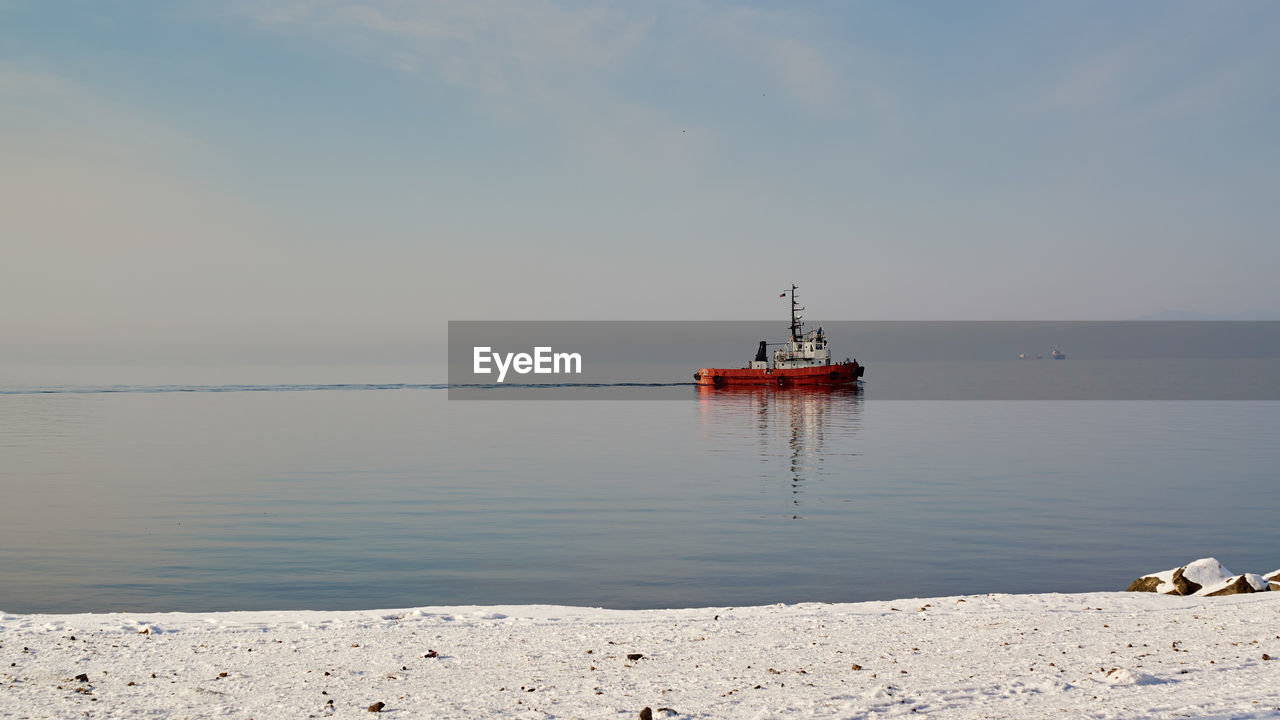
{"x": 232, "y": 180}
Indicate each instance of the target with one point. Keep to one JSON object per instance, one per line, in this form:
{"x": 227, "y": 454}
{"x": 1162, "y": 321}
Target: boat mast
{"x": 796, "y": 325}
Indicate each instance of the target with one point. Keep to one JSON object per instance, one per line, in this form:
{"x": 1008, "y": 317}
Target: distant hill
{"x": 1188, "y": 315}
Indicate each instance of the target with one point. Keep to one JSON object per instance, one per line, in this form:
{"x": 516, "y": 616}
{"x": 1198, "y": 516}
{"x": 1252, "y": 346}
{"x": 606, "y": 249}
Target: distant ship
{"x": 1024, "y": 356}
{"x": 803, "y": 360}
{"x": 1058, "y": 354}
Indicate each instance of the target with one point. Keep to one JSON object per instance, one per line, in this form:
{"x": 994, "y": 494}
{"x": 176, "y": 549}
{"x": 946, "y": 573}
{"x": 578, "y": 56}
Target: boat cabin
{"x": 804, "y": 349}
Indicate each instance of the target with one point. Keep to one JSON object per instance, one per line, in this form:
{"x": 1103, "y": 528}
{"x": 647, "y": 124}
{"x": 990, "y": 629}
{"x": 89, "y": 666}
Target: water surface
{"x": 370, "y": 496}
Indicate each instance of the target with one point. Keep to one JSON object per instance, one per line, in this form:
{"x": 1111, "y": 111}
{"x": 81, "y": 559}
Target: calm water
{"x": 363, "y": 498}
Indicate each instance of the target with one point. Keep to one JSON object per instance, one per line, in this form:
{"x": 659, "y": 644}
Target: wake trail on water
{"x": 148, "y": 389}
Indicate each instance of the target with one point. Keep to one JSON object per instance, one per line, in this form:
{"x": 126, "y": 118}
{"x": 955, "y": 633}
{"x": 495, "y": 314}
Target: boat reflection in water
{"x": 803, "y": 435}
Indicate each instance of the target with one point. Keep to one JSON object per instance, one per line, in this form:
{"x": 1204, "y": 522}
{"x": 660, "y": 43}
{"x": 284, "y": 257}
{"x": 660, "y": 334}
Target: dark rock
{"x": 1183, "y": 586}
{"x": 1148, "y": 583}
{"x": 1239, "y": 586}
{"x": 856, "y": 666}
{"x": 1151, "y": 583}
{"x": 1143, "y": 584}
{"x": 82, "y": 677}
{"x": 635, "y": 656}
{"x": 377, "y": 707}
{"x": 646, "y": 714}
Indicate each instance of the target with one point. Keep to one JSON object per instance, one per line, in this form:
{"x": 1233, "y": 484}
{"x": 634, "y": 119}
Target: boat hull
{"x": 846, "y": 373}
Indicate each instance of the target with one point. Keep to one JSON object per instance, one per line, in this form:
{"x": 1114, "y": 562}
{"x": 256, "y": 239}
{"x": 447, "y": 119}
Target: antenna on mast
{"x": 796, "y": 325}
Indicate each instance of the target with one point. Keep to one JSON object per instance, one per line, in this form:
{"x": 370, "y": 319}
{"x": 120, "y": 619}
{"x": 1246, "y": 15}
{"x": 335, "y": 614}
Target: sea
{"x": 138, "y": 488}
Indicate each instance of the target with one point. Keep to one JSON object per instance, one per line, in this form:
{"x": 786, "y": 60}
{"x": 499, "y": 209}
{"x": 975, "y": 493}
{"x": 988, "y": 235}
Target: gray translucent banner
{"x": 655, "y": 360}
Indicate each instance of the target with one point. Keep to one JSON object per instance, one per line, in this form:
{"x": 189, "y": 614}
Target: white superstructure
{"x": 805, "y": 351}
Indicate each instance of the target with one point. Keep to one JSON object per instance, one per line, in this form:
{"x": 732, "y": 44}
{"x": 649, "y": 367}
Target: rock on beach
{"x": 1205, "y": 577}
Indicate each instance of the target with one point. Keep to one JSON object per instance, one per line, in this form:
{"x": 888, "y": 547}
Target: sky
{"x": 330, "y": 179}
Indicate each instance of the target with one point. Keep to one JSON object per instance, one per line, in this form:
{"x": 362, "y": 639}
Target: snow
{"x": 1204, "y": 572}
{"x": 1257, "y": 582}
{"x": 1104, "y": 655}
{"x": 1211, "y": 576}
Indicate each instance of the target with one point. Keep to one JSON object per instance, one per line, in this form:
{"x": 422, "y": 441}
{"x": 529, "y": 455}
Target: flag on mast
{"x": 783, "y": 295}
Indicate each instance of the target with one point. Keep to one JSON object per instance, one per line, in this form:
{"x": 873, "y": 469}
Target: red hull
{"x": 845, "y": 373}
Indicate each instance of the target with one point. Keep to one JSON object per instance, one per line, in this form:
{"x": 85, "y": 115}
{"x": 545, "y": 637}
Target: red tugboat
{"x": 804, "y": 360}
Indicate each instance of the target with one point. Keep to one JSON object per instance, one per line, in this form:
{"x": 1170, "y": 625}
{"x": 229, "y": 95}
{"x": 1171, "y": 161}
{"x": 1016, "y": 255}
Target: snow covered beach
{"x": 1096, "y": 654}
